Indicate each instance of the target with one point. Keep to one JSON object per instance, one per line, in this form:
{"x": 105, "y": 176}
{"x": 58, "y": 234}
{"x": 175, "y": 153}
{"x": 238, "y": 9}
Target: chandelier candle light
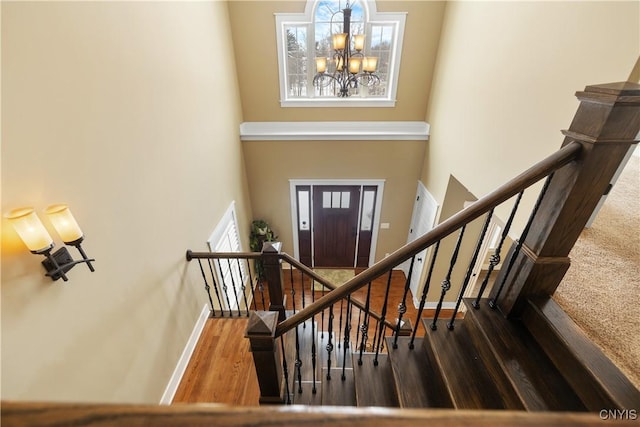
{"x": 352, "y": 68}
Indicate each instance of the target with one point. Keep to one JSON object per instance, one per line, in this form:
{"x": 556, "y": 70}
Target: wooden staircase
{"x": 541, "y": 362}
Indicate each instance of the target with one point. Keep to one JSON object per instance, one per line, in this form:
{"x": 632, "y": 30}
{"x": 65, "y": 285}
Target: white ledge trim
{"x": 331, "y": 131}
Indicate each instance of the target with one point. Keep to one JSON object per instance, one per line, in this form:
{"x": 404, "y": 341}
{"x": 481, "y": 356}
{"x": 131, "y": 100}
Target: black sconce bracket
{"x": 61, "y": 261}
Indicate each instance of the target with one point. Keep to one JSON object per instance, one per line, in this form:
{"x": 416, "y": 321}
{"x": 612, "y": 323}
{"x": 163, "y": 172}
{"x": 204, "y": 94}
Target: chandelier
{"x": 350, "y": 68}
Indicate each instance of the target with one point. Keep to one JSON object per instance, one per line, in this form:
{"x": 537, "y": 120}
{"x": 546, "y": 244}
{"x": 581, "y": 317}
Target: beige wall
{"x": 256, "y": 56}
{"x": 271, "y": 164}
{"x": 505, "y": 82}
{"x": 125, "y": 111}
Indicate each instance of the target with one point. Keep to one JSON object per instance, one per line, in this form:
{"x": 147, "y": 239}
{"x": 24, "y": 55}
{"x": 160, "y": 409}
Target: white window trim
{"x": 228, "y": 219}
{"x": 335, "y": 131}
{"x": 283, "y": 19}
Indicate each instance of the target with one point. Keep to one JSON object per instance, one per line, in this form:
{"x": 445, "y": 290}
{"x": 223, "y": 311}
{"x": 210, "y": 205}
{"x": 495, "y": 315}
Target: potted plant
{"x": 260, "y": 232}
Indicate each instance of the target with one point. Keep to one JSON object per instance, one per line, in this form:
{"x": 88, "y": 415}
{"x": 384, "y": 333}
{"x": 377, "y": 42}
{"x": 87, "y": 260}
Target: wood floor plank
{"x": 221, "y": 369}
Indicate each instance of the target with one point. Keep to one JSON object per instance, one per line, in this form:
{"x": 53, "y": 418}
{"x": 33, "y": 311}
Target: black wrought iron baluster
{"x": 329, "y": 342}
{"x": 293, "y": 291}
{"x": 261, "y": 289}
{"x": 493, "y": 303}
{"x": 298, "y": 362}
{"x": 303, "y": 296}
{"x": 233, "y": 285}
{"x": 350, "y": 320}
{"x": 375, "y": 335}
{"x": 365, "y": 325}
{"x": 253, "y": 292}
{"x": 243, "y": 287}
{"x": 472, "y": 263}
{"x": 347, "y": 331}
{"x": 207, "y": 288}
{"x": 358, "y": 329}
{"x": 494, "y": 260}
{"x": 338, "y": 338}
{"x": 313, "y": 341}
{"x": 321, "y": 313}
{"x": 446, "y": 283}
{"x": 285, "y": 371}
{"x": 402, "y": 307}
{"x": 215, "y": 287}
{"x": 383, "y": 316}
{"x": 423, "y": 298}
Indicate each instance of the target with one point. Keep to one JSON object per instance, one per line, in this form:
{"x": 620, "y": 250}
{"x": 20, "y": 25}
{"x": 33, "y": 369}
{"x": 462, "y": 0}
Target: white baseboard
{"x": 178, "y": 372}
{"x": 433, "y": 305}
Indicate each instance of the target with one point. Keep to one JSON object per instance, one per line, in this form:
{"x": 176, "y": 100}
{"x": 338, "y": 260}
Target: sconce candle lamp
{"x": 37, "y": 239}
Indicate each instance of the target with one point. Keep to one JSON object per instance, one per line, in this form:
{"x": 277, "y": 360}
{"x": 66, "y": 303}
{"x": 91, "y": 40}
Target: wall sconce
{"x": 35, "y": 236}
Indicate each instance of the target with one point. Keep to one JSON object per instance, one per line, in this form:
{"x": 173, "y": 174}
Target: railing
{"x": 378, "y": 278}
{"x": 576, "y": 177}
{"x": 45, "y": 414}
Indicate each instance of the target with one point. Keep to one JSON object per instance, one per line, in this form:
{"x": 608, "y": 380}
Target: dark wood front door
{"x": 335, "y": 222}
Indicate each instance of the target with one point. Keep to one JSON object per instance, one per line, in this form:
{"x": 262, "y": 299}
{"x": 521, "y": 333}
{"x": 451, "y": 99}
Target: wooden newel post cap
{"x": 262, "y": 324}
{"x": 271, "y": 247}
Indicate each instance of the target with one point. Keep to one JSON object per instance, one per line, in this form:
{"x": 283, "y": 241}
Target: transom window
{"x": 304, "y": 37}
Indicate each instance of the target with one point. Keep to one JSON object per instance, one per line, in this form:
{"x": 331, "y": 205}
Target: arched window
{"x": 304, "y": 37}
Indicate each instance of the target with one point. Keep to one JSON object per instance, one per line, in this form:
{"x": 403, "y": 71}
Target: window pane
{"x": 335, "y": 199}
{"x": 346, "y": 198}
{"x": 381, "y": 45}
{"x": 326, "y": 199}
{"x": 303, "y": 210}
{"x": 367, "y": 210}
{"x": 296, "y": 60}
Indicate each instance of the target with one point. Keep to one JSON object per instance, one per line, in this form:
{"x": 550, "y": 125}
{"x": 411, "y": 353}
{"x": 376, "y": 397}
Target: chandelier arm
{"x": 342, "y": 78}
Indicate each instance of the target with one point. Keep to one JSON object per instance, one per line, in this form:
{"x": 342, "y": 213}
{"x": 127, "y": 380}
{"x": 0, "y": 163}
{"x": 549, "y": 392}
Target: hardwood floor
{"x": 221, "y": 369}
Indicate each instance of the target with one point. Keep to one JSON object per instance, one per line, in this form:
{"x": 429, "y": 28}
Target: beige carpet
{"x": 335, "y": 276}
{"x": 601, "y": 290}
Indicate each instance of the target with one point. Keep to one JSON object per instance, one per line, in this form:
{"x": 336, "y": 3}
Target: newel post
{"x": 261, "y": 330}
{"x": 606, "y": 124}
{"x": 273, "y": 276}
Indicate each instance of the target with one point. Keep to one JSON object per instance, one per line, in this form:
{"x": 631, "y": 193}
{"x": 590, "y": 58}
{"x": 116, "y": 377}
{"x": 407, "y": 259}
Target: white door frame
{"x": 422, "y": 196}
{"x": 293, "y": 183}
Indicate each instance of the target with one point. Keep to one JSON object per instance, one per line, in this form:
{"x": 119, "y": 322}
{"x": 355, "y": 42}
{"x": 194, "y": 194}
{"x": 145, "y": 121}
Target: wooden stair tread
{"x": 418, "y": 384}
{"x": 474, "y": 383}
{"x": 598, "y": 382}
{"x": 307, "y": 396}
{"x": 338, "y": 392}
{"x": 374, "y": 384}
{"x": 336, "y": 355}
{"x": 537, "y": 381}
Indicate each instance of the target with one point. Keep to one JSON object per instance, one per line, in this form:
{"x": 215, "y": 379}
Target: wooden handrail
{"x": 540, "y": 170}
{"x": 45, "y": 414}
{"x": 222, "y": 255}
{"x": 331, "y": 286}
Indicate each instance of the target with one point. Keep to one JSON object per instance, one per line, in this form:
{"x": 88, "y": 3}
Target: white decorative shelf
{"x": 331, "y": 131}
